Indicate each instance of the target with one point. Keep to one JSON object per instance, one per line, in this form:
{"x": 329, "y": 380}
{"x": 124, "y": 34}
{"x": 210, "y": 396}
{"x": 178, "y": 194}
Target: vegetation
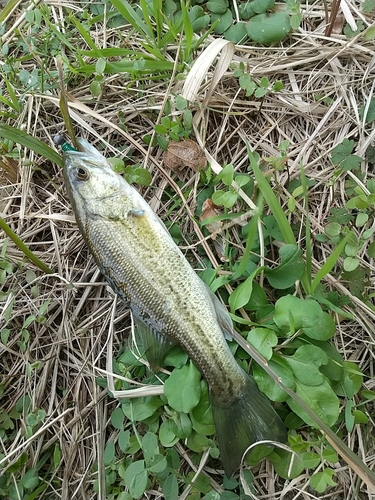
{"x": 280, "y": 224}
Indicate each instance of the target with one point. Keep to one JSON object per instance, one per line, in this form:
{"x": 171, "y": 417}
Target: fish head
{"x": 92, "y": 185}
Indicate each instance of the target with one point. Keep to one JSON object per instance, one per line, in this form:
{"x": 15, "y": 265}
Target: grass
{"x": 68, "y": 426}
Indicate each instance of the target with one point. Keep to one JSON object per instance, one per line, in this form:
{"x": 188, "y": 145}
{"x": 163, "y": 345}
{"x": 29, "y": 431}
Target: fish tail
{"x": 248, "y": 418}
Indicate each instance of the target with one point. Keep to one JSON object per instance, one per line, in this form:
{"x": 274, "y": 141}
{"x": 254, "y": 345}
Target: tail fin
{"x": 246, "y": 419}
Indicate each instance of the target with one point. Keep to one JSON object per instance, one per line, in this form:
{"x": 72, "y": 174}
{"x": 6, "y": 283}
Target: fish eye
{"x": 81, "y": 174}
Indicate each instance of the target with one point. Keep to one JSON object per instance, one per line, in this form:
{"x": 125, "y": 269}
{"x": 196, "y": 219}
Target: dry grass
{"x": 70, "y": 347}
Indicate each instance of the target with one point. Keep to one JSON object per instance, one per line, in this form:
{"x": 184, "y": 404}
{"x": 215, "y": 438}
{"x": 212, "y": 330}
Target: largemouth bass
{"x": 169, "y": 302}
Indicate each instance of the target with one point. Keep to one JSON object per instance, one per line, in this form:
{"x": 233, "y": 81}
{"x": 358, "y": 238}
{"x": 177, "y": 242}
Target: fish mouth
{"x": 84, "y": 152}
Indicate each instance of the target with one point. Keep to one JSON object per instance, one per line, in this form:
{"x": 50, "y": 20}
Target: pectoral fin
{"x": 156, "y": 344}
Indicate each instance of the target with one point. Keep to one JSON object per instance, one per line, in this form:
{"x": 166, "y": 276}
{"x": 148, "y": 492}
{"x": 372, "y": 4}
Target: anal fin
{"x": 156, "y": 344}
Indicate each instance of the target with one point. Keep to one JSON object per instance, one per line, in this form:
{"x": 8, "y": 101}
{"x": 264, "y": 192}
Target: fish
{"x": 170, "y": 304}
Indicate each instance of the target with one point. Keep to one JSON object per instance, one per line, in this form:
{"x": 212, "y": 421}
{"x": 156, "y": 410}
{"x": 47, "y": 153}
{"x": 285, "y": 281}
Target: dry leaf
{"x": 184, "y": 154}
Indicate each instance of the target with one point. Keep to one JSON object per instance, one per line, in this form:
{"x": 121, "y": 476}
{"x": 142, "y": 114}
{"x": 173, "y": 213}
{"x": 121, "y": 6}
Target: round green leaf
{"x": 263, "y": 340}
{"x": 157, "y": 464}
{"x": 236, "y": 33}
{"x": 293, "y": 313}
{"x": 135, "y": 478}
{"x": 224, "y": 198}
{"x": 333, "y": 229}
{"x": 288, "y": 465}
{"x": 268, "y": 28}
{"x": 361, "y": 219}
{"x": 289, "y": 271}
{"x": 109, "y": 452}
{"x": 350, "y": 264}
{"x": 166, "y": 434}
{"x": 182, "y": 388}
{"x": 225, "y": 20}
{"x": 261, "y": 6}
{"x": 217, "y": 6}
{"x": 117, "y": 418}
{"x": 246, "y": 11}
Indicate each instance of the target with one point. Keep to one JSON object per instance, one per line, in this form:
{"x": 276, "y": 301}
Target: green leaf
{"x": 321, "y": 480}
{"x": 263, "y": 340}
{"x": 123, "y": 439}
{"x": 198, "y": 443}
{"x": 170, "y": 488}
{"x": 109, "y": 453}
{"x": 217, "y": 6}
{"x": 268, "y": 386}
{"x": 321, "y": 399}
{"x": 369, "y": 34}
{"x": 241, "y": 295}
{"x": 150, "y": 445}
{"x": 182, "y": 425}
{"x": 201, "y": 415}
{"x": 342, "y": 151}
{"x": 135, "y": 478}
{"x": 352, "y": 162}
{"x": 333, "y": 229}
{"x": 370, "y": 116}
{"x": 350, "y": 264}
{"x": 288, "y": 465}
{"x": 330, "y": 455}
{"x": 310, "y": 459}
{"x": 268, "y": 28}
{"x": 141, "y": 408}
{"x": 182, "y": 388}
{"x": 157, "y": 464}
{"x": 117, "y": 418}
{"x": 293, "y": 313}
{"x": 224, "y": 21}
{"x": 261, "y": 6}
{"x": 352, "y": 381}
{"x": 305, "y": 364}
{"x": 100, "y": 65}
{"x": 236, "y": 33}
{"x": 227, "y": 175}
{"x": 289, "y": 271}
{"x": 167, "y": 435}
{"x": 224, "y": 198}
{"x": 30, "y": 480}
{"x": 360, "y": 417}
{"x": 246, "y": 83}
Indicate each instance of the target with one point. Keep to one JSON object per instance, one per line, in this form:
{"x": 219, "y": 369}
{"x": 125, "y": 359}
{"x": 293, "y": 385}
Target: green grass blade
{"x": 188, "y": 30}
{"x": 251, "y": 235}
{"x": 127, "y": 11}
{"x": 330, "y": 262}
{"x": 29, "y": 254}
{"x": 28, "y": 141}
{"x": 8, "y": 9}
{"x": 84, "y": 34}
{"x": 271, "y": 200}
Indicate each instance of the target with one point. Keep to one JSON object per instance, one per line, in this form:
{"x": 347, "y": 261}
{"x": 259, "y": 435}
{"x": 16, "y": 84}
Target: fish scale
{"x": 169, "y": 302}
